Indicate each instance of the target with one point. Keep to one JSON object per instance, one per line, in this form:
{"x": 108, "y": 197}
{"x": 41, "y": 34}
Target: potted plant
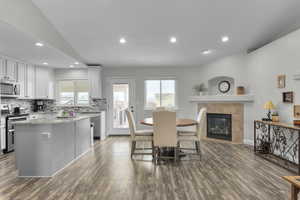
{"x": 275, "y": 116}
{"x": 200, "y": 89}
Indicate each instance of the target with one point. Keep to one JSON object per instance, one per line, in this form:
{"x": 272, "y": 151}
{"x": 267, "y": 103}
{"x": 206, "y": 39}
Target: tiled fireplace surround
{"x": 237, "y": 112}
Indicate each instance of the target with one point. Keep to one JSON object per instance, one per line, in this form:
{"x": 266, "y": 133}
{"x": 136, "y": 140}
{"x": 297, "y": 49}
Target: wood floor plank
{"x": 225, "y": 172}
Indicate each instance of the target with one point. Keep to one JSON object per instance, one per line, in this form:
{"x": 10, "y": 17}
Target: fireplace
{"x": 219, "y": 126}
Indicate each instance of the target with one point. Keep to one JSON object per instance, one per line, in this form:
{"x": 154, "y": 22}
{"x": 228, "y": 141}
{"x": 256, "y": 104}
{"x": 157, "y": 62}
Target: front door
{"x": 121, "y": 98}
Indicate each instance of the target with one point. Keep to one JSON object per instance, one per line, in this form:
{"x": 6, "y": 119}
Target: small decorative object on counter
{"x": 268, "y": 106}
{"x": 288, "y": 97}
{"x": 275, "y": 117}
{"x": 200, "y": 89}
{"x": 240, "y": 90}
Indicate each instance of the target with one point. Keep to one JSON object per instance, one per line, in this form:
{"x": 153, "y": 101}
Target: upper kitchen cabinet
{"x": 11, "y": 70}
{"x": 8, "y": 69}
{"x": 95, "y": 82}
{"x": 30, "y": 81}
{"x": 2, "y": 68}
{"x": 44, "y": 83}
{"x": 22, "y": 79}
{"x": 26, "y": 79}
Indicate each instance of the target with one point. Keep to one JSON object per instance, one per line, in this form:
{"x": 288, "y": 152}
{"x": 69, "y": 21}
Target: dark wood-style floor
{"x": 107, "y": 172}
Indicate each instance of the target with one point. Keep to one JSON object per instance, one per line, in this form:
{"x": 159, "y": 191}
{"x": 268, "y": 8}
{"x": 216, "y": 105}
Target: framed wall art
{"x": 281, "y": 81}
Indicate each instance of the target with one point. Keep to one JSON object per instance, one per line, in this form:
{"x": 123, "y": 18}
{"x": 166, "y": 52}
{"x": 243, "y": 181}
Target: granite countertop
{"x": 52, "y": 119}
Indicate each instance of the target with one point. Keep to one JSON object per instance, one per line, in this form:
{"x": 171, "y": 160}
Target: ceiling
{"x": 18, "y": 45}
{"x": 93, "y": 28}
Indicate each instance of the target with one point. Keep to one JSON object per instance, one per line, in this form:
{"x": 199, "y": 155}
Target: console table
{"x": 278, "y": 143}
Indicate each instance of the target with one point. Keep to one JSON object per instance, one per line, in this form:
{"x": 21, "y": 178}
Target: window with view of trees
{"x": 73, "y": 92}
{"x": 160, "y": 93}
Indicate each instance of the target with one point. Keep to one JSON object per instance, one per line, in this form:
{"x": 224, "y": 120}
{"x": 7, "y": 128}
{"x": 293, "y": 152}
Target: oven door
{"x": 10, "y": 133}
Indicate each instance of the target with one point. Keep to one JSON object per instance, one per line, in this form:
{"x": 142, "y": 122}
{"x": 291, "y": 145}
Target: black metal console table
{"x": 278, "y": 143}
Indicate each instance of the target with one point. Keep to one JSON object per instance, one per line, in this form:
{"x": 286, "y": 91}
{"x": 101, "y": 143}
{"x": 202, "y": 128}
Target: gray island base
{"x": 43, "y": 147}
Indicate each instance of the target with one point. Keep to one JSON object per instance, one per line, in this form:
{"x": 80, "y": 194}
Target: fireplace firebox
{"x": 219, "y": 126}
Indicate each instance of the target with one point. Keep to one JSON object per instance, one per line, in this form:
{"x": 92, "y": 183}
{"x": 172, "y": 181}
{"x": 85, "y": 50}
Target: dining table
{"x": 180, "y": 122}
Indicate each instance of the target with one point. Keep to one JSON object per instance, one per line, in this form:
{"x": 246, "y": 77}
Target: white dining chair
{"x": 164, "y": 133}
{"x": 138, "y": 136}
{"x": 194, "y": 136}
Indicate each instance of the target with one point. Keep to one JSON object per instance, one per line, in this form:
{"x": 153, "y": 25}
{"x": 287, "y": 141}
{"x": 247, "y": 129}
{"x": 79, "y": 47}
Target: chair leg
{"x": 153, "y": 150}
{"x": 133, "y": 144}
{"x": 176, "y": 154}
{"x": 199, "y": 149}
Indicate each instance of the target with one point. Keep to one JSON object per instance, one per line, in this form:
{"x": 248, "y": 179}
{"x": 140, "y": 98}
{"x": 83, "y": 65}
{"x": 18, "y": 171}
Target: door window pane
{"x": 120, "y": 104}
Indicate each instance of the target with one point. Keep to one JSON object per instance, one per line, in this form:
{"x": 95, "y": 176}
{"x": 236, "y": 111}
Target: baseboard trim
{"x": 249, "y": 142}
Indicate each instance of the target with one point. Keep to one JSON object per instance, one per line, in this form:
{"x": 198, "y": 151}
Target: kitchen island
{"x": 46, "y": 145}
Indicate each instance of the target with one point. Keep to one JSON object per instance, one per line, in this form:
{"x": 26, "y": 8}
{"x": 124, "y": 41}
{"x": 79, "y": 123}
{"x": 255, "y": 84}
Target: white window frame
{"x": 175, "y": 107}
{"x": 75, "y": 94}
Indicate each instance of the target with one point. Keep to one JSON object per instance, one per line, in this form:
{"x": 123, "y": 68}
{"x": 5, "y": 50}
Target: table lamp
{"x": 268, "y": 106}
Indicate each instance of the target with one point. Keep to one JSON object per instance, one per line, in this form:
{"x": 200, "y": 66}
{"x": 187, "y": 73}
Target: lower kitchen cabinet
{"x": 99, "y": 126}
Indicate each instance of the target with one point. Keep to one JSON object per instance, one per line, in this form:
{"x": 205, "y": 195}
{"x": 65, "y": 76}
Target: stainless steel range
{"x": 10, "y": 131}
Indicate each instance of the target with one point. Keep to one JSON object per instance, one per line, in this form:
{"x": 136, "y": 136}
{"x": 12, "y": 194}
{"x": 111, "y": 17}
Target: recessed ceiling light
{"x": 76, "y": 63}
{"x": 45, "y": 63}
{"x": 205, "y": 52}
{"x": 173, "y": 40}
{"x": 39, "y": 44}
{"x": 123, "y": 40}
{"x": 225, "y": 39}
{"x": 71, "y": 66}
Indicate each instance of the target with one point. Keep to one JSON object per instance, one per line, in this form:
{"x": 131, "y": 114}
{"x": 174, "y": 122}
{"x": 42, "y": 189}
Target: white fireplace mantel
{"x": 222, "y": 98}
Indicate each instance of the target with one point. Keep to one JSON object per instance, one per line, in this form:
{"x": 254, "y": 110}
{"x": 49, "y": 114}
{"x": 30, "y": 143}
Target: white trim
{"x": 249, "y": 142}
{"x": 222, "y": 98}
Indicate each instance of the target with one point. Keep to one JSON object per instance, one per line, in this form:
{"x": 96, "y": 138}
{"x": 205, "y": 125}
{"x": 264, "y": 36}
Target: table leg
{"x": 294, "y": 192}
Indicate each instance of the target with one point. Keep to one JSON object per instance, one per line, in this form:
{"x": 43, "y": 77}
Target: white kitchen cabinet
{"x": 95, "y": 82}
{"x": 103, "y": 125}
{"x": 41, "y": 80}
{"x": 51, "y": 84}
{"x": 30, "y": 81}
{"x": 44, "y": 83}
{"x": 21, "y": 78}
{"x": 11, "y": 69}
{"x": 2, "y": 137}
{"x": 2, "y": 68}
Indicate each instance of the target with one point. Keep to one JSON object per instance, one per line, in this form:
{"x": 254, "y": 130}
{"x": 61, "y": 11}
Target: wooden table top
{"x": 284, "y": 125}
{"x": 293, "y": 180}
{"x": 179, "y": 122}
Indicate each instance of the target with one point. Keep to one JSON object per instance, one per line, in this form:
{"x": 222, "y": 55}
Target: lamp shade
{"x": 269, "y": 105}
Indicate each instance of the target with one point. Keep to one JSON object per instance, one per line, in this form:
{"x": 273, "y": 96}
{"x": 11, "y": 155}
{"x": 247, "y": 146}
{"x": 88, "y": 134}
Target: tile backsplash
{"x": 95, "y": 105}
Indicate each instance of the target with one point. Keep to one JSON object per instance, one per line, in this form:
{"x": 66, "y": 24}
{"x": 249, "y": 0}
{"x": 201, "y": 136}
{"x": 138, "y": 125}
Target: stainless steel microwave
{"x": 9, "y": 88}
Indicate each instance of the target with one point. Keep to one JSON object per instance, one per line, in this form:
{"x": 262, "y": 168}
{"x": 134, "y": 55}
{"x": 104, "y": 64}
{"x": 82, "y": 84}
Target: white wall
{"x": 264, "y": 65}
{"x": 73, "y": 74}
{"x": 232, "y": 66}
